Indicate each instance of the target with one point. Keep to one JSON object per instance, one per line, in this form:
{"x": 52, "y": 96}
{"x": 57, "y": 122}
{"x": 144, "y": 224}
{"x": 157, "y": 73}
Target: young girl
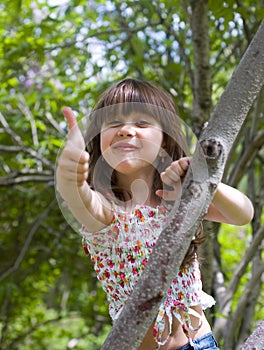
{"x": 118, "y": 182}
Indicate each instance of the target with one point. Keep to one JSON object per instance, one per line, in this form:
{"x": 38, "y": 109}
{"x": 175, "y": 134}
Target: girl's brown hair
{"x": 127, "y": 96}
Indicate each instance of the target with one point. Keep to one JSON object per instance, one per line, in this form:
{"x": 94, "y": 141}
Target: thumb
{"x": 166, "y": 195}
{"x": 70, "y": 117}
{"x": 74, "y": 132}
{"x": 170, "y": 195}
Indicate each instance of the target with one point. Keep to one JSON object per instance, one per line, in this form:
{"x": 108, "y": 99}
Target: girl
{"x": 118, "y": 182}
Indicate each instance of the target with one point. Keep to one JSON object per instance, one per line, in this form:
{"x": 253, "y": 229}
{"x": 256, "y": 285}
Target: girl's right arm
{"x": 89, "y": 207}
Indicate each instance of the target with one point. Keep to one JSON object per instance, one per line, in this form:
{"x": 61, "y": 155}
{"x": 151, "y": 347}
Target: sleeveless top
{"x": 119, "y": 254}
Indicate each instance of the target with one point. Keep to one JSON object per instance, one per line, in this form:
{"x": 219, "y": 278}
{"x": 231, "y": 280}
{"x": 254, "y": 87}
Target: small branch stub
{"x": 212, "y": 148}
{"x": 196, "y": 189}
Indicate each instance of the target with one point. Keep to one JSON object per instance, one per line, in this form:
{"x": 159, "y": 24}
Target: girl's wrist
{"x": 82, "y": 198}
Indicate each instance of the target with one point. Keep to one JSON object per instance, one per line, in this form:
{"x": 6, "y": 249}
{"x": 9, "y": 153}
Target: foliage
{"x": 233, "y": 245}
{"x": 57, "y": 53}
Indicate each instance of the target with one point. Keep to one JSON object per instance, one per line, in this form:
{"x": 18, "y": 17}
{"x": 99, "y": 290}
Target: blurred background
{"x": 55, "y": 53}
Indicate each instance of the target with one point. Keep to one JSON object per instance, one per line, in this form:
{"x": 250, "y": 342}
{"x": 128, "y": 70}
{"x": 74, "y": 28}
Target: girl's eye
{"x": 143, "y": 123}
{"x": 113, "y": 123}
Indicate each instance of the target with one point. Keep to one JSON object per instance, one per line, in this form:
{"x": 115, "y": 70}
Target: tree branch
{"x": 28, "y": 115}
{"x": 225, "y": 301}
{"x": 239, "y": 271}
{"x": 256, "y": 340}
{"x": 14, "y": 342}
{"x": 14, "y": 178}
{"x": 23, "y": 147}
{"x": 54, "y": 123}
{"x": 16, "y": 149}
{"x": 248, "y": 156}
{"x": 202, "y": 78}
{"x": 184, "y": 57}
{"x": 236, "y": 317}
{"x": 103, "y": 33}
{"x": 28, "y": 240}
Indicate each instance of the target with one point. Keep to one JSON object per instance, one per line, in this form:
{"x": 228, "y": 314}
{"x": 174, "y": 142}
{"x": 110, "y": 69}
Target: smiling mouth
{"x": 125, "y": 147}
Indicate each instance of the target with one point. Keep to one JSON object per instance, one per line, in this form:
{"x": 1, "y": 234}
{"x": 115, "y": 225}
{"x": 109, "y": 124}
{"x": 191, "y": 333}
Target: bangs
{"x": 130, "y": 90}
{"x": 133, "y": 96}
{"x": 110, "y": 113}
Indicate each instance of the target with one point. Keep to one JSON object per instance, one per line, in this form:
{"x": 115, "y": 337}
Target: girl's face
{"x": 131, "y": 144}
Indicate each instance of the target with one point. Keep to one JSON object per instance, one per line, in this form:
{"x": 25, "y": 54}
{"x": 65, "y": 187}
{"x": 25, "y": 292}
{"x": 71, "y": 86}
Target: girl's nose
{"x": 127, "y": 130}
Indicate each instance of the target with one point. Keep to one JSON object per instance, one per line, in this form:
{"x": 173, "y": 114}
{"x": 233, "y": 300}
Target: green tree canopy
{"x": 57, "y": 53}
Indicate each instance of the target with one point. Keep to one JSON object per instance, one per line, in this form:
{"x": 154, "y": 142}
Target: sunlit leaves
{"x": 55, "y": 53}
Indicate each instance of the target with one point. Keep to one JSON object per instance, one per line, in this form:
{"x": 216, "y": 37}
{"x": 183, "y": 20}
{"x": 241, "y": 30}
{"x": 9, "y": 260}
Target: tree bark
{"x": 202, "y": 102}
{"x": 256, "y": 340}
{"x": 198, "y": 190}
{"x": 202, "y": 73}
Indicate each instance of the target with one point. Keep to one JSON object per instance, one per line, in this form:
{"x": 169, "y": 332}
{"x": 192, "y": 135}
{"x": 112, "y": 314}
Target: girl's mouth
{"x": 125, "y": 146}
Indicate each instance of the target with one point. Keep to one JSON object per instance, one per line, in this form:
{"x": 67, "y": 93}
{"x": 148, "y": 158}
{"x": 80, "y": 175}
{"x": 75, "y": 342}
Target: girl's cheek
{"x": 105, "y": 140}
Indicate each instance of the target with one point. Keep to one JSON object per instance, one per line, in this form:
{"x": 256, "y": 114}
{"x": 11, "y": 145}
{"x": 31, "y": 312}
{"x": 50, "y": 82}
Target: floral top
{"x": 120, "y": 252}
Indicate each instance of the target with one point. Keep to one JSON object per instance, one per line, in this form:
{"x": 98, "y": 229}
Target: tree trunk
{"x": 198, "y": 189}
{"x": 202, "y": 74}
{"x": 202, "y": 102}
{"x": 233, "y": 327}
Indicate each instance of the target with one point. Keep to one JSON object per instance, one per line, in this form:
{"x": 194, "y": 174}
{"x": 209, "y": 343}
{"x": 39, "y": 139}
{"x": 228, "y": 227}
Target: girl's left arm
{"x": 230, "y": 206}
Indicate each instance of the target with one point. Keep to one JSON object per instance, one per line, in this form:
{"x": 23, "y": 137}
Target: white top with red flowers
{"x": 120, "y": 252}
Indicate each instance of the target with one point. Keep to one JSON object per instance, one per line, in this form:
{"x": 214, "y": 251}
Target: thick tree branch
{"x": 198, "y": 190}
{"x": 256, "y": 340}
{"x": 202, "y": 75}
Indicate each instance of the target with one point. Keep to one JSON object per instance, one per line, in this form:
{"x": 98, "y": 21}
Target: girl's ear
{"x": 164, "y": 143}
{"x": 162, "y": 154}
{"x": 162, "y": 151}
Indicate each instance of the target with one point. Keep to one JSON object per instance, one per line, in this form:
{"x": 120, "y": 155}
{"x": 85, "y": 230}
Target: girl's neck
{"x": 139, "y": 190}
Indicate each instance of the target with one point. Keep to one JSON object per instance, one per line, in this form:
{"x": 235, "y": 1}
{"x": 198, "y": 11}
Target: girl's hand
{"x": 173, "y": 177}
{"x": 72, "y": 169}
{"x": 89, "y": 207}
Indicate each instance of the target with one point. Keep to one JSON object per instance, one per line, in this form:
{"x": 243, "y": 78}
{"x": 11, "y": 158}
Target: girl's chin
{"x": 128, "y": 167}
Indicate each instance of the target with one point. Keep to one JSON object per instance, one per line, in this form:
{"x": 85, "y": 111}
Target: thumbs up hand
{"x": 74, "y": 133}
{"x": 72, "y": 167}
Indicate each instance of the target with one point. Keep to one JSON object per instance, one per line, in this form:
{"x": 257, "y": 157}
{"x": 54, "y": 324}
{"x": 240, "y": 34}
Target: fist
{"x": 173, "y": 177}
